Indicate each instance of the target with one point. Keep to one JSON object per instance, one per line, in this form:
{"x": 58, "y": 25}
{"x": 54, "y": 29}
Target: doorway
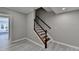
{"x": 4, "y": 32}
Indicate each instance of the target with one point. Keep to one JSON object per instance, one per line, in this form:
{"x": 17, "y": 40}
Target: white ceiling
{"x": 58, "y": 10}
{"x": 24, "y": 10}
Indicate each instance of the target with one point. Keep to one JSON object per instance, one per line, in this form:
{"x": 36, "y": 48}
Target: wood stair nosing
{"x": 39, "y": 29}
{"x": 42, "y": 34}
{"x": 45, "y": 37}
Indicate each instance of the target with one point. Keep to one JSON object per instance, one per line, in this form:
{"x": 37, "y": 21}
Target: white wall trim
{"x": 34, "y": 42}
{"x": 15, "y": 42}
{"x": 18, "y": 40}
{"x": 25, "y": 38}
{"x": 51, "y": 39}
{"x": 65, "y": 44}
{"x": 62, "y": 43}
{"x": 5, "y": 15}
{"x": 38, "y": 38}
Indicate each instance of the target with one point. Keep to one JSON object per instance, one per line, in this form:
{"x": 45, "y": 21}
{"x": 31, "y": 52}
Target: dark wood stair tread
{"x": 44, "y": 37}
{"x": 41, "y": 32}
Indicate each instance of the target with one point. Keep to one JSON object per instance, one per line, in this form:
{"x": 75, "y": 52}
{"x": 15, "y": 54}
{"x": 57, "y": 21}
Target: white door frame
{"x": 10, "y": 32}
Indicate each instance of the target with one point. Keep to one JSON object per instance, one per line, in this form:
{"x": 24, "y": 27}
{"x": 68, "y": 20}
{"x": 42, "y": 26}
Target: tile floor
{"x": 29, "y": 46}
{"x": 26, "y": 45}
{"x": 3, "y": 40}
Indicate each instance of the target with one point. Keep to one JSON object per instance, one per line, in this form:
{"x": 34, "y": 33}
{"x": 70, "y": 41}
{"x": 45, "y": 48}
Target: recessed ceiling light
{"x": 63, "y": 8}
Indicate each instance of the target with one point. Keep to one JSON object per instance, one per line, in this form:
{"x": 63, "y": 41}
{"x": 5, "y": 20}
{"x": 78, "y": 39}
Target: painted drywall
{"x": 65, "y": 27}
{"x": 30, "y": 33}
{"x": 22, "y": 25}
{"x": 17, "y": 23}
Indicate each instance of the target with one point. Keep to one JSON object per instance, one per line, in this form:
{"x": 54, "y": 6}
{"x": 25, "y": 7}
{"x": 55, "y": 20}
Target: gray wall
{"x": 21, "y": 25}
{"x": 17, "y": 23}
{"x": 65, "y": 27}
{"x": 30, "y": 33}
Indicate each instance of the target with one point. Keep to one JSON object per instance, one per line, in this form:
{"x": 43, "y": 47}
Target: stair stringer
{"x": 51, "y": 39}
{"x": 42, "y": 44}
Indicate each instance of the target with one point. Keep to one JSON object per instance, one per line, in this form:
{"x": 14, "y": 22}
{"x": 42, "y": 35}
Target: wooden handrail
{"x": 44, "y": 41}
{"x": 39, "y": 36}
{"x": 44, "y": 22}
{"x": 40, "y": 26}
{"x": 37, "y": 32}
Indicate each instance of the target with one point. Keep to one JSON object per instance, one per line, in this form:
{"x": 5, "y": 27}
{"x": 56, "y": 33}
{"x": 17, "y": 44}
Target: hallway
{"x": 4, "y": 32}
{"x": 3, "y": 41}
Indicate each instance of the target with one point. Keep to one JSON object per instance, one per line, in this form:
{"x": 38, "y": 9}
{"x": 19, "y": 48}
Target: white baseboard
{"x": 65, "y": 44}
{"x": 25, "y": 38}
{"x": 34, "y": 42}
{"x": 15, "y": 42}
{"x": 39, "y": 39}
{"x": 18, "y": 40}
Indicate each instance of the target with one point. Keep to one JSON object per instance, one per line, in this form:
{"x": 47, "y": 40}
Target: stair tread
{"x": 39, "y": 30}
{"x": 44, "y": 37}
{"x": 42, "y": 34}
{"x": 37, "y": 27}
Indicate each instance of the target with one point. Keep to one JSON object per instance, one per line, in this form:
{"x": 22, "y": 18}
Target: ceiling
{"x": 57, "y": 10}
{"x": 24, "y": 10}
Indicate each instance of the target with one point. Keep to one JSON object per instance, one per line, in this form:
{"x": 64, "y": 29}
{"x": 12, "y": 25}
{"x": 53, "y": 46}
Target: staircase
{"x": 40, "y": 31}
